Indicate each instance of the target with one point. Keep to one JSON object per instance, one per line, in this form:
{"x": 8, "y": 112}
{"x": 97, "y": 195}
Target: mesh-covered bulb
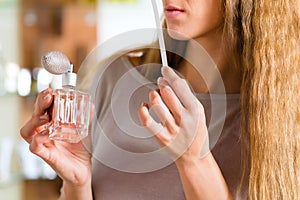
{"x": 58, "y": 63}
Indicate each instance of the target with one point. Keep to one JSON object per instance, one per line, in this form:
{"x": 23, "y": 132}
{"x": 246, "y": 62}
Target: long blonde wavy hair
{"x": 266, "y": 35}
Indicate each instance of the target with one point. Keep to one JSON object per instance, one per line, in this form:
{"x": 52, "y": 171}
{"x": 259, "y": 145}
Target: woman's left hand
{"x": 182, "y": 129}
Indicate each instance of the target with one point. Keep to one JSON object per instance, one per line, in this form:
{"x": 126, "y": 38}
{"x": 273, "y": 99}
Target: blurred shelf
{"x": 41, "y": 189}
{"x": 49, "y": 25}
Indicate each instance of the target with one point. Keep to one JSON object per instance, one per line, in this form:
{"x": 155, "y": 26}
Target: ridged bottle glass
{"x": 71, "y": 111}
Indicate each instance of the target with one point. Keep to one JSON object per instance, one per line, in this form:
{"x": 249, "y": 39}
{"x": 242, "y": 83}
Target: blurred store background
{"x": 28, "y": 29}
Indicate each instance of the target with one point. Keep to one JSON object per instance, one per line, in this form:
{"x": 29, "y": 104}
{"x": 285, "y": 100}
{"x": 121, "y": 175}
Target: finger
{"x": 39, "y": 117}
{"x": 43, "y": 102}
{"x": 159, "y": 107}
{"x": 161, "y": 82}
{"x": 171, "y": 101}
{"x": 39, "y": 145}
{"x": 33, "y": 126}
{"x": 156, "y": 129}
{"x": 148, "y": 122}
{"x": 163, "y": 113}
{"x": 180, "y": 87}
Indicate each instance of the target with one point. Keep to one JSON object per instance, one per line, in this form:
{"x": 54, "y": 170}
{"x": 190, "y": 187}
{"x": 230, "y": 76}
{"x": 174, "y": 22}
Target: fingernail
{"x": 144, "y": 104}
{"x": 44, "y": 132}
{"x": 44, "y": 117}
{"x": 153, "y": 94}
{"x": 46, "y": 91}
{"x": 160, "y": 81}
{"x": 48, "y": 96}
{"x": 163, "y": 69}
{"x": 167, "y": 89}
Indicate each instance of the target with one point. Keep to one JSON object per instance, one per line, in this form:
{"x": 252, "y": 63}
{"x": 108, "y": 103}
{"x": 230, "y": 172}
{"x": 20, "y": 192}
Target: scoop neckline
{"x": 198, "y": 95}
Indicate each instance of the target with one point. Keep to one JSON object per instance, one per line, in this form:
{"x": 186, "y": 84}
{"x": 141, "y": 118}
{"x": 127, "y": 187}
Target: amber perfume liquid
{"x": 70, "y": 115}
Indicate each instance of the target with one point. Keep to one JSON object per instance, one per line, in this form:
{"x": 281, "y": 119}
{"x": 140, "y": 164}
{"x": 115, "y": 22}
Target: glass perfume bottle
{"x": 71, "y": 108}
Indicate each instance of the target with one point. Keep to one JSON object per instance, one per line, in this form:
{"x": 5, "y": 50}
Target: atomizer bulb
{"x": 57, "y": 63}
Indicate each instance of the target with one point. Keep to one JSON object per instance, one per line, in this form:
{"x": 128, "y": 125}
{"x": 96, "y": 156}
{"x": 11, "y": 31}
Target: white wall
{"x": 9, "y": 41}
{"x": 9, "y": 32}
{"x": 10, "y": 188}
{"x": 115, "y": 18}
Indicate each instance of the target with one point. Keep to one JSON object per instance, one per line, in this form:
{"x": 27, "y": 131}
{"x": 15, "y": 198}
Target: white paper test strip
{"x": 161, "y": 41}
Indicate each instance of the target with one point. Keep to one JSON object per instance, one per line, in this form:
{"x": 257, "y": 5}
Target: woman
{"x": 255, "y": 45}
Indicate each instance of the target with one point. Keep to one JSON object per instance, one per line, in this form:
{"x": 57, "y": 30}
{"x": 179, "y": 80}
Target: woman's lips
{"x": 172, "y": 11}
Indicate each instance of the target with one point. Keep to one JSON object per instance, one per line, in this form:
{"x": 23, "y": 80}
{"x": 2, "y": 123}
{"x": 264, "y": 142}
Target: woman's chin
{"x": 177, "y": 35}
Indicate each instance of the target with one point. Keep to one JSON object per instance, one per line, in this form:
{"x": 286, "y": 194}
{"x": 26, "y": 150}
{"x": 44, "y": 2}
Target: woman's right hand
{"x": 72, "y": 162}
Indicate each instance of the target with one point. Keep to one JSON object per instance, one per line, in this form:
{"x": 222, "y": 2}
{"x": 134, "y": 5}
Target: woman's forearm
{"x": 202, "y": 179}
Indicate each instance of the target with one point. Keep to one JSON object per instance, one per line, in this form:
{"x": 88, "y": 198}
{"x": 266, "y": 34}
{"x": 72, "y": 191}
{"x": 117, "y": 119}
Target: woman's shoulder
{"x": 136, "y": 63}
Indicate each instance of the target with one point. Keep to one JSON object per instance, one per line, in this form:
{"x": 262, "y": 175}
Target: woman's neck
{"x": 211, "y": 70}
